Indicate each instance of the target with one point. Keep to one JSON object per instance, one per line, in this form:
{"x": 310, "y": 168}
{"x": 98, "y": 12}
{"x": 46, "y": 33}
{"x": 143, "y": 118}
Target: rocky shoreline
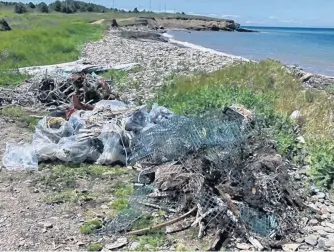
{"x": 158, "y": 61}
{"x": 193, "y": 23}
{"x": 161, "y": 57}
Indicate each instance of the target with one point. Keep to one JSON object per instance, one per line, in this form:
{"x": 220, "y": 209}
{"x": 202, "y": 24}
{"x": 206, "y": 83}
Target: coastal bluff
{"x": 194, "y": 23}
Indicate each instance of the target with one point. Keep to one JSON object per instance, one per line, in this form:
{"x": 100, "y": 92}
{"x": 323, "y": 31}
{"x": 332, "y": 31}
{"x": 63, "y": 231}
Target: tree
{"x": 20, "y": 8}
{"x": 43, "y": 7}
{"x": 31, "y": 5}
{"x": 57, "y": 6}
{"x": 90, "y": 8}
{"x": 136, "y": 10}
{"x": 183, "y": 13}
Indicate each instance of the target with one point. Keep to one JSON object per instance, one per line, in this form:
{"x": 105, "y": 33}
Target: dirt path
{"x": 100, "y": 21}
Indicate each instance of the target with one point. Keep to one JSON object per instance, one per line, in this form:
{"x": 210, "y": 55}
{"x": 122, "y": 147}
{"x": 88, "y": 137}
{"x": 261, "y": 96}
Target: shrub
{"x": 20, "y": 8}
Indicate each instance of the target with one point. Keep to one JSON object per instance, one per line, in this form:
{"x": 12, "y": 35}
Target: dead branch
{"x": 165, "y": 224}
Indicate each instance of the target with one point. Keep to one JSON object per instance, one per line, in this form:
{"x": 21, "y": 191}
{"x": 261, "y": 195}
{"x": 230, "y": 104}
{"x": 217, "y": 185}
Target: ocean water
{"x": 310, "y": 48}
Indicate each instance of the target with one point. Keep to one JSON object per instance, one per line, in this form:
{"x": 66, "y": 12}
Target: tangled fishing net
{"x": 218, "y": 165}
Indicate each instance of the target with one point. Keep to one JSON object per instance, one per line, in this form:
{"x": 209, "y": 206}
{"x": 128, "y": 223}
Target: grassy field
{"x": 273, "y": 94}
{"x": 40, "y": 39}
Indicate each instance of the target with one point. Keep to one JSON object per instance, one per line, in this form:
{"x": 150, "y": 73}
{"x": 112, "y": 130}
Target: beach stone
{"x": 321, "y": 243}
{"x": 243, "y": 246}
{"x": 120, "y": 242}
{"x": 322, "y": 232}
{"x": 329, "y": 242}
{"x": 316, "y": 228}
{"x": 311, "y": 240}
{"x": 290, "y": 247}
{"x": 330, "y": 209}
{"x": 295, "y": 114}
{"x": 321, "y": 195}
{"x": 301, "y": 140}
{"x": 297, "y": 176}
{"x": 300, "y": 240}
{"x": 330, "y": 225}
{"x": 313, "y": 222}
{"x": 329, "y": 230}
{"x": 306, "y": 77}
{"x": 324, "y": 209}
{"x": 134, "y": 245}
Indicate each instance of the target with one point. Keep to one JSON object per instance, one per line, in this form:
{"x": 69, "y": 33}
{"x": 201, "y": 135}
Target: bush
{"x": 57, "y": 6}
{"x": 20, "y": 8}
{"x": 31, "y": 5}
{"x": 43, "y": 7}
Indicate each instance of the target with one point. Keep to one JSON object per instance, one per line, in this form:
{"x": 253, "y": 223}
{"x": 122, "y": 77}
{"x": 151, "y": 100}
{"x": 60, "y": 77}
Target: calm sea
{"x": 310, "y": 48}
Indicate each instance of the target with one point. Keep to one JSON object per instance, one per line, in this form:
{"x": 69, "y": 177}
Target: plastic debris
{"x": 20, "y": 158}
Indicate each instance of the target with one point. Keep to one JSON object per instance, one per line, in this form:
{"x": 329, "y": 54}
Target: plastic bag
{"x": 71, "y": 151}
{"x": 47, "y": 134}
{"x": 113, "y": 150}
{"x": 51, "y": 130}
{"x": 159, "y": 113}
{"x": 76, "y": 122}
{"x": 137, "y": 121}
{"x": 20, "y": 158}
{"x": 113, "y": 105}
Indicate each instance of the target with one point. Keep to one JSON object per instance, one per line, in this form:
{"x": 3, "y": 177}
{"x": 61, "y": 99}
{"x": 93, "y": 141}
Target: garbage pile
{"x": 213, "y": 169}
{"x": 53, "y": 86}
{"x": 236, "y": 187}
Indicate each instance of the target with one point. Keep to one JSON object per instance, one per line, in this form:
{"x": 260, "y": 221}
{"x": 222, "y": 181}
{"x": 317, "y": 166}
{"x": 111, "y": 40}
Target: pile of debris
{"x": 4, "y": 26}
{"x": 54, "y": 86}
{"x": 214, "y": 170}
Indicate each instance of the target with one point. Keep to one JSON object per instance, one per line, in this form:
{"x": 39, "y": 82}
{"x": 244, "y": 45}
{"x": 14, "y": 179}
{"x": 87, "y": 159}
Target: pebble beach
{"x": 157, "y": 60}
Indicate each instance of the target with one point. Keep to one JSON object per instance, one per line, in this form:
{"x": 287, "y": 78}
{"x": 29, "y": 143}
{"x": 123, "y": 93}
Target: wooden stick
{"x": 165, "y": 224}
{"x": 36, "y": 116}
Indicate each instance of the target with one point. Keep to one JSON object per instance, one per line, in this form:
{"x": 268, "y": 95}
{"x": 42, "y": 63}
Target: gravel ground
{"x": 158, "y": 60}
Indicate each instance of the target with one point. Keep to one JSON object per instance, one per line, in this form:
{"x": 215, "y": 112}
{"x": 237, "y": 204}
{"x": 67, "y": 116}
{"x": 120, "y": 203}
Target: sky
{"x": 300, "y": 13}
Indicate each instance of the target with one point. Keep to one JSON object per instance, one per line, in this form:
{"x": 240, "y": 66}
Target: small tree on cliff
{"x": 135, "y": 10}
{"x": 31, "y": 5}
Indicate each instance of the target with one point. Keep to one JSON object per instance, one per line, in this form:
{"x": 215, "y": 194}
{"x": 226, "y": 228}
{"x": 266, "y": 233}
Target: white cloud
{"x": 230, "y": 16}
{"x": 254, "y": 22}
{"x": 272, "y": 17}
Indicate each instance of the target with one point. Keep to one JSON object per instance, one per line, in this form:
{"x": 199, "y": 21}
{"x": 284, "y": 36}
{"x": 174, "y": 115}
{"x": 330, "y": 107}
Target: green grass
{"x": 94, "y": 247}
{"x": 63, "y": 176}
{"x": 90, "y": 226}
{"x": 20, "y": 117}
{"x": 273, "y": 94}
{"x": 42, "y": 39}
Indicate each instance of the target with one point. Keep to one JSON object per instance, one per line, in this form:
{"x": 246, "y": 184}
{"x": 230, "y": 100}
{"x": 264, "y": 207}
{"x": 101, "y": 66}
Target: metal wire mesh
{"x": 174, "y": 138}
{"x": 216, "y": 171}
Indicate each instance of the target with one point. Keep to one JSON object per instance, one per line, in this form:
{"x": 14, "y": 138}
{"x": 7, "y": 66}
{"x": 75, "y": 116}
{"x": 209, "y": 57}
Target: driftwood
{"x": 165, "y": 224}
